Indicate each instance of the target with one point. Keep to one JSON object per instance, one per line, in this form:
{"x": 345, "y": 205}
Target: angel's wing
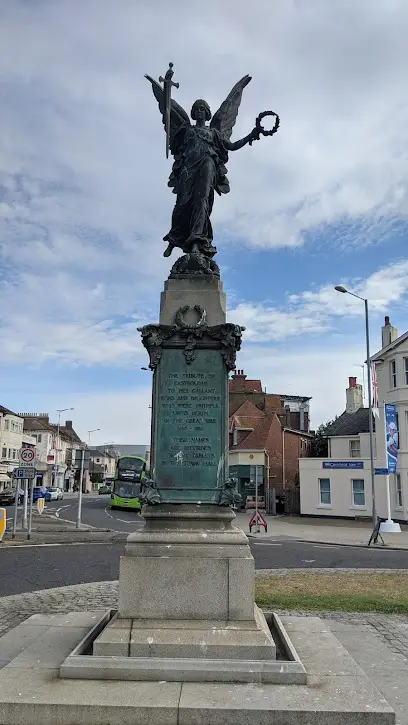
{"x": 224, "y": 119}
{"x": 178, "y": 116}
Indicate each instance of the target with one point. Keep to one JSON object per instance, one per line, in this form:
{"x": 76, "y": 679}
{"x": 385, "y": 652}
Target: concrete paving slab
{"x": 333, "y": 658}
{"x": 387, "y": 670}
{"x": 325, "y": 701}
{"x": 50, "y": 649}
{"x": 17, "y": 640}
{"x": 39, "y": 697}
{"x": 71, "y": 619}
{"x": 369, "y": 648}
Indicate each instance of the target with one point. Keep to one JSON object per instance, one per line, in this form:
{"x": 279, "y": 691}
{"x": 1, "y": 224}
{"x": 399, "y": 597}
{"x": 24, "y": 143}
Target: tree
{"x": 320, "y": 448}
{"x": 96, "y": 477}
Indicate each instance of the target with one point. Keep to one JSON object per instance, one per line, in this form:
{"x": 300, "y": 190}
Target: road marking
{"x": 66, "y": 543}
{"x": 67, "y": 506}
{"x": 264, "y": 543}
{"x": 324, "y": 546}
{"x": 308, "y": 561}
{"x": 121, "y": 521}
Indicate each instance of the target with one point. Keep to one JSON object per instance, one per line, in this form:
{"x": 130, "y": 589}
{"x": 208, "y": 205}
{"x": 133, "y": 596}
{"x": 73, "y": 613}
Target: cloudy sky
{"x": 84, "y": 203}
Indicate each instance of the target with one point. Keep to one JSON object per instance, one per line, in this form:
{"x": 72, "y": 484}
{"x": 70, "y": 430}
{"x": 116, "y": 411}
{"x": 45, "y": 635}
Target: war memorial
{"x": 187, "y": 644}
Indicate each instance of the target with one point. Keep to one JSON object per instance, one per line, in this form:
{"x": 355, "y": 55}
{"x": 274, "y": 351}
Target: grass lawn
{"x": 345, "y": 592}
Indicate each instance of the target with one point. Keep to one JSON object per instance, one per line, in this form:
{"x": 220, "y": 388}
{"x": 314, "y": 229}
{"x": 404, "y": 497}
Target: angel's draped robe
{"x": 198, "y": 171}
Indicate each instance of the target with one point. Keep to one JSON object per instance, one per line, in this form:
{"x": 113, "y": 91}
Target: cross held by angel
{"x": 200, "y": 153}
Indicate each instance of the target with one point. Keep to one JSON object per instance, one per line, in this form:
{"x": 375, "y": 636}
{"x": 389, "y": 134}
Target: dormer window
{"x": 393, "y": 374}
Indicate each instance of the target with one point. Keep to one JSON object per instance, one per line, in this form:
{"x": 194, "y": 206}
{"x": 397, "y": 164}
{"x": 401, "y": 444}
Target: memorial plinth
{"x": 186, "y": 581}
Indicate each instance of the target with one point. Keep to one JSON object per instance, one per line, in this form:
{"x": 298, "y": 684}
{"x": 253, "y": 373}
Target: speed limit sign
{"x": 27, "y": 455}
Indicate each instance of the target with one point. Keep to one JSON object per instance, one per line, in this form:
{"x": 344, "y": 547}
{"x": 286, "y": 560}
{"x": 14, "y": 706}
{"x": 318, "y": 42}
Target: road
{"x": 29, "y": 568}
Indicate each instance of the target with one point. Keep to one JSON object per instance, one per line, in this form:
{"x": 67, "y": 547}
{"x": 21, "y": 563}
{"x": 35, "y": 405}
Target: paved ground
{"x": 393, "y": 629}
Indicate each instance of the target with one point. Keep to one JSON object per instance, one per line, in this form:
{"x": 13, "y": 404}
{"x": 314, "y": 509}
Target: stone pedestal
{"x": 186, "y": 590}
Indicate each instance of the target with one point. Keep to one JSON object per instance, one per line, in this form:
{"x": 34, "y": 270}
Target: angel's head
{"x": 200, "y": 111}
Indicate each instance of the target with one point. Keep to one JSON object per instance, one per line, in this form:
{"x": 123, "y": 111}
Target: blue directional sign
{"x": 381, "y": 471}
{"x": 25, "y": 472}
{"x": 343, "y": 464}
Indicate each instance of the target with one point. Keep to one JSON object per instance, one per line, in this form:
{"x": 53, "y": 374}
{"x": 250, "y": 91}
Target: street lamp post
{"x": 342, "y": 289}
{"x": 59, "y": 411}
{"x": 89, "y": 446}
{"x": 89, "y": 435}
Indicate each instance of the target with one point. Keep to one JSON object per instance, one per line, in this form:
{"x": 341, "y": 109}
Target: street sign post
{"x": 27, "y": 456}
{"x": 3, "y": 522}
{"x": 30, "y": 511}
{"x": 25, "y": 472}
{"x": 40, "y": 505}
{"x": 13, "y": 535}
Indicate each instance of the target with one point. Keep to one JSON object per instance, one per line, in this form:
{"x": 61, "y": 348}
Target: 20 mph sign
{"x": 27, "y": 455}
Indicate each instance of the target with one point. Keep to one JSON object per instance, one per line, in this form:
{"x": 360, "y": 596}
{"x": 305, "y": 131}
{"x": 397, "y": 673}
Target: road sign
{"x": 257, "y": 520}
{"x": 27, "y": 455}
{"x": 40, "y": 505}
{"x": 25, "y": 472}
{"x": 3, "y": 522}
{"x": 381, "y": 471}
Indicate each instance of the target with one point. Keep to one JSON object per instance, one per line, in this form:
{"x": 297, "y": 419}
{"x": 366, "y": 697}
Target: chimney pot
{"x": 387, "y": 320}
{"x": 352, "y": 382}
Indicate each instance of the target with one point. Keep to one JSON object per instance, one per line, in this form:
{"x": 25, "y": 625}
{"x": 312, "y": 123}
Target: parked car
{"x": 55, "y": 494}
{"x": 7, "y": 497}
{"x": 40, "y": 492}
{"x": 104, "y": 489}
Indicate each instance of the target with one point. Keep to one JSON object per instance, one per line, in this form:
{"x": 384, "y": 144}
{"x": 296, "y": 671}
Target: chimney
{"x": 388, "y": 332}
{"x": 68, "y": 424}
{"x": 354, "y": 396}
{"x": 237, "y": 382}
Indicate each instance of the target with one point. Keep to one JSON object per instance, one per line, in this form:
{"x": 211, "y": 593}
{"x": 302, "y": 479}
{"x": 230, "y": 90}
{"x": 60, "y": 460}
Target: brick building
{"x": 268, "y": 434}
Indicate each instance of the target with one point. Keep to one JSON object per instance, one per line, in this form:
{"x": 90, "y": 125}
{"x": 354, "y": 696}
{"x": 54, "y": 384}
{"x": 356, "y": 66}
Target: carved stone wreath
{"x": 229, "y": 336}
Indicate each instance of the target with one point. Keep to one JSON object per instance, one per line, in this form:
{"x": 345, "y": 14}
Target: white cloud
{"x": 314, "y": 312}
{"x": 123, "y": 416}
{"x": 321, "y": 373}
{"x": 83, "y": 197}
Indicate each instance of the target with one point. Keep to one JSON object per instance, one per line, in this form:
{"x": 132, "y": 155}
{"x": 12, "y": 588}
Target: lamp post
{"x": 340, "y": 288}
{"x": 89, "y": 446}
{"x": 59, "y": 411}
{"x": 89, "y": 435}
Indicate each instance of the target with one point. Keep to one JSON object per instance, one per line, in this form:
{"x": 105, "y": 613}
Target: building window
{"x": 39, "y": 438}
{"x": 406, "y": 370}
{"x": 357, "y": 486}
{"x": 398, "y": 491}
{"x": 6, "y": 425}
{"x": 393, "y": 374}
{"x": 324, "y": 492}
{"x": 4, "y": 452}
{"x": 354, "y": 448}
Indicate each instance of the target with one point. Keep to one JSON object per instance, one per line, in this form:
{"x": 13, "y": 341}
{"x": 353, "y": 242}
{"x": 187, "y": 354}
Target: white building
{"x": 340, "y": 485}
{"x": 55, "y": 448}
{"x": 12, "y": 438}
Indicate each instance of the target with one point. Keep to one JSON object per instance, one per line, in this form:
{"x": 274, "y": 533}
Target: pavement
{"x": 58, "y": 525}
{"x": 378, "y": 643}
{"x": 314, "y": 530}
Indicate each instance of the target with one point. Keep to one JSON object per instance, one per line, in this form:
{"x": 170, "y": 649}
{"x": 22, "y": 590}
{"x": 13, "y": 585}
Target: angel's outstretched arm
{"x": 236, "y": 145}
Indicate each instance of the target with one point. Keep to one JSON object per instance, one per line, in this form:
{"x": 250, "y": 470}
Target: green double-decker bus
{"x": 129, "y": 474}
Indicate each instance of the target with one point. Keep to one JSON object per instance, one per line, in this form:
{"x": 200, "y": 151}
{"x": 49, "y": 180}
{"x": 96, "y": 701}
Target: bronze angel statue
{"x": 200, "y": 154}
